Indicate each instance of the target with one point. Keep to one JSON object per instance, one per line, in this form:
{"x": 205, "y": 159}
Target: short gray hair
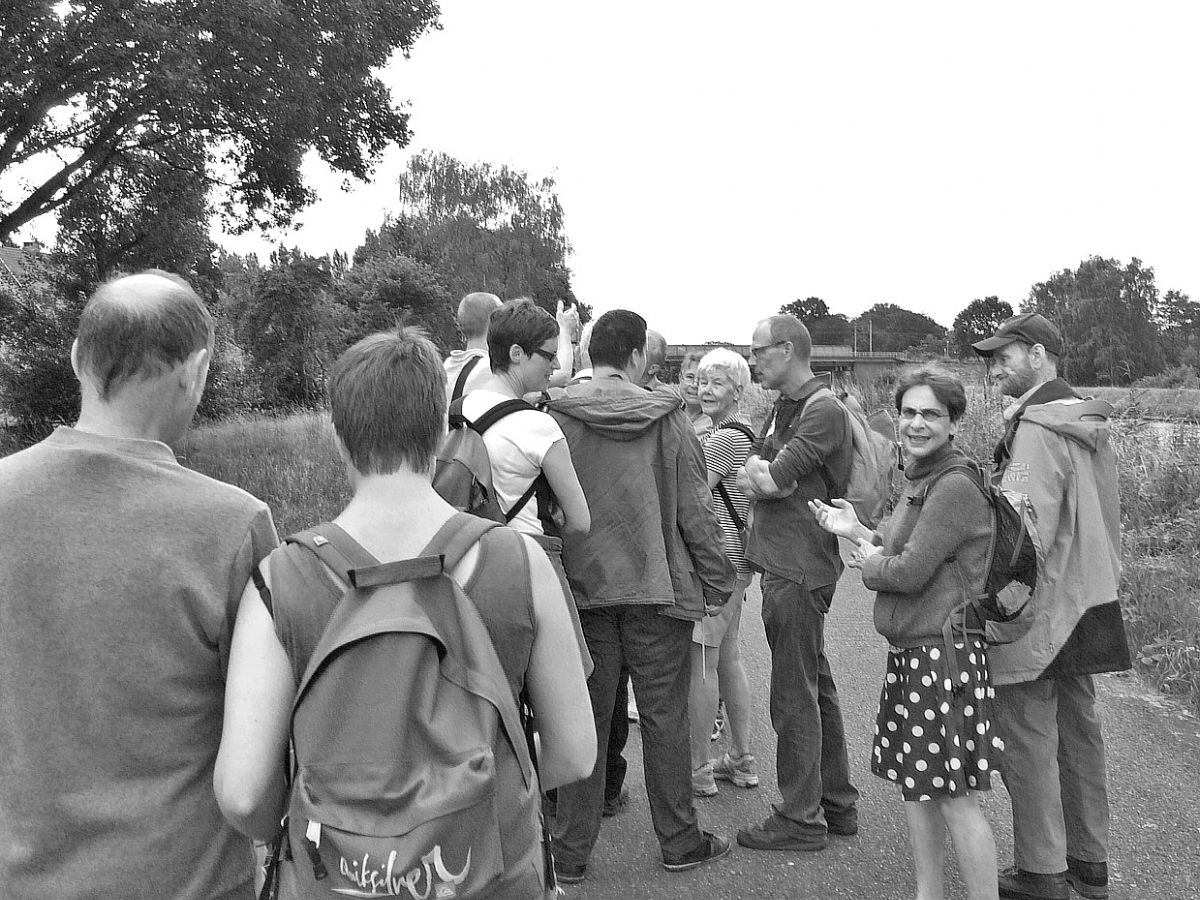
{"x": 725, "y": 360}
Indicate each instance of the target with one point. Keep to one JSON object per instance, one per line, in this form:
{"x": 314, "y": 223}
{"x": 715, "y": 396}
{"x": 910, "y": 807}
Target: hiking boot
{"x": 710, "y": 847}
{"x": 702, "y": 781}
{"x": 776, "y": 834}
{"x": 1090, "y": 879}
{"x": 1017, "y": 884}
{"x": 568, "y": 873}
{"x": 740, "y": 771}
{"x": 616, "y": 804}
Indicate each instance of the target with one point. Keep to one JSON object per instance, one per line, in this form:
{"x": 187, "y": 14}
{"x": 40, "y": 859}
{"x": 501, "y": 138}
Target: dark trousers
{"x": 615, "y": 765}
{"x": 655, "y": 648}
{"x": 811, "y": 761}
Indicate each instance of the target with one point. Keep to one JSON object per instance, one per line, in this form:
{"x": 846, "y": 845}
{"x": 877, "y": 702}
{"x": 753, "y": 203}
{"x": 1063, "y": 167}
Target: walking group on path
{"x": 414, "y": 700}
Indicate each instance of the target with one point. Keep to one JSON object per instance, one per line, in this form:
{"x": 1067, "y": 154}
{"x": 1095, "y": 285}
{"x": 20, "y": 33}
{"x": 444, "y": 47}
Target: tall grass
{"x": 291, "y": 463}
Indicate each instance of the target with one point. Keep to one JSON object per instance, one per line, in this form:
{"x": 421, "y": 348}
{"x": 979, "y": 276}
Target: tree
{"x": 380, "y": 292}
{"x": 809, "y": 308}
{"x": 886, "y": 327}
{"x": 823, "y": 326}
{"x": 481, "y": 228}
{"x": 258, "y": 84}
{"x": 1179, "y": 327}
{"x": 977, "y": 321}
{"x": 1106, "y": 313}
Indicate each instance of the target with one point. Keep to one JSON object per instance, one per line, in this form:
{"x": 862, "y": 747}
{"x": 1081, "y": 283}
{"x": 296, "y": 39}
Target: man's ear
{"x": 194, "y": 374}
{"x": 75, "y": 366}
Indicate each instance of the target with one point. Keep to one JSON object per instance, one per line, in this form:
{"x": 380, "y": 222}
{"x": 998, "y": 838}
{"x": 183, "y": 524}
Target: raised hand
{"x": 839, "y": 519}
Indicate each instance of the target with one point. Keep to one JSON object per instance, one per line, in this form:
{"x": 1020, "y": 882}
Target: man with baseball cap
{"x": 1056, "y": 453}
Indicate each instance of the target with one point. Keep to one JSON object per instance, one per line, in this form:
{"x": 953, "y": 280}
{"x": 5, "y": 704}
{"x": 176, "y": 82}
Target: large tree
{"x": 1107, "y": 314}
{"x": 481, "y": 228}
{"x": 258, "y": 83}
{"x": 380, "y": 292}
{"x": 886, "y": 327}
{"x": 823, "y": 326}
{"x": 977, "y": 321}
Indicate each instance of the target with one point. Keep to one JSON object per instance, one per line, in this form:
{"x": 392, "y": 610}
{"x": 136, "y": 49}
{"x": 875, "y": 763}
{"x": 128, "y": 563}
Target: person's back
{"x": 470, "y": 367}
{"x": 118, "y": 583}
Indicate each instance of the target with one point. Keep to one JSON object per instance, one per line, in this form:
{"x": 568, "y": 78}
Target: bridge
{"x": 840, "y": 361}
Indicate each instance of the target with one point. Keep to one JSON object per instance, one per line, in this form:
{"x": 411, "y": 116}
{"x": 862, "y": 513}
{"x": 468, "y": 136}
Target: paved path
{"x": 1154, "y": 778}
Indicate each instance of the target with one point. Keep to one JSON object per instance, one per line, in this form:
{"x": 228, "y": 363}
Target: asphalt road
{"x": 1154, "y": 785}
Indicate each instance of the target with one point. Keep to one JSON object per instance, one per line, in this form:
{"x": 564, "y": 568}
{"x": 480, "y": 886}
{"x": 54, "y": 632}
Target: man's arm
{"x": 698, "y": 524}
{"x": 820, "y": 433}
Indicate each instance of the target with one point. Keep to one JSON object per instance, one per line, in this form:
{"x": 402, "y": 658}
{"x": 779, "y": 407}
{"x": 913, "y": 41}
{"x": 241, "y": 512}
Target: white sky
{"x": 718, "y": 160}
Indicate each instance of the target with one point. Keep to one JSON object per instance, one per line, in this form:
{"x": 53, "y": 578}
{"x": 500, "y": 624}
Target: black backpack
{"x": 996, "y": 611}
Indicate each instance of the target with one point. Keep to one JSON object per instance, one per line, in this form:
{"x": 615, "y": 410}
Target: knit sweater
{"x": 930, "y": 544}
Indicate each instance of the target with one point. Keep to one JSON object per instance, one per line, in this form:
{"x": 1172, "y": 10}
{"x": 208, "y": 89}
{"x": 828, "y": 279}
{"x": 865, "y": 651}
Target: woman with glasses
{"x": 525, "y": 445}
{"x": 934, "y": 734}
{"x": 689, "y": 383}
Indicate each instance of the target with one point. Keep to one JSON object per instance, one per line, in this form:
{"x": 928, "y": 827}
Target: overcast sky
{"x": 716, "y": 160}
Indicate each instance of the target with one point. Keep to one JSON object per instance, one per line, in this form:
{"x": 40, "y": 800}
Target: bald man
{"x": 656, "y": 361}
{"x": 119, "y": 581}
{"x": 468, "y": 368}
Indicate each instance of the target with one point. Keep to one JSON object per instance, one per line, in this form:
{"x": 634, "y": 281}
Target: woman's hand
{"x": 859, "y": 556}
{"x": 839, "y": 519}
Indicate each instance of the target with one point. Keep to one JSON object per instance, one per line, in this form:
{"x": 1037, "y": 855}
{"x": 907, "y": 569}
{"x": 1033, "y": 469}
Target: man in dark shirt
{"x": 805, "y": 454}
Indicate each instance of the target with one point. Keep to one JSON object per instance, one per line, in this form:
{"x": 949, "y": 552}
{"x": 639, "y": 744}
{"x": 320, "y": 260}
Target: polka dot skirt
{"x": 929, "y": 739}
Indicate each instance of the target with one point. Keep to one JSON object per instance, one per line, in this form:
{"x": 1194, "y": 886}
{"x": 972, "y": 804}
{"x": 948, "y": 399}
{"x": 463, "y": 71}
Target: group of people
{"x": 153, "y": 632}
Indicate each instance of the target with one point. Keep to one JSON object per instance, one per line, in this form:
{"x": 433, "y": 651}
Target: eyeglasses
{"x": 757, "y": 350}
{"x": 929, "y": 415}
{"x": 545, "y": 354}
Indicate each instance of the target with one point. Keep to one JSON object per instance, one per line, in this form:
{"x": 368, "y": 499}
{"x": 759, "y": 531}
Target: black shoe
{"x": 1090, "y": 879}
{"x": 1017, "y": 884}
{"x": 772, "y": 835}
{"x": 845, "y": 825}
{"x": 710, "y": 847}
{"x": 569, "y": 874}
{"x": 616, "y": 804}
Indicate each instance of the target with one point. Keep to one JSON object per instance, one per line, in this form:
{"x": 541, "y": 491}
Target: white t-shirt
{"x": 454, "y": 365}
{"x": 516, "y": 445}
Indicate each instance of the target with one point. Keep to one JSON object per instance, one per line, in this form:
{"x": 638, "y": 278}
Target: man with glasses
{"x": 805, "y": 454}
{"x": 1056, "y": 454}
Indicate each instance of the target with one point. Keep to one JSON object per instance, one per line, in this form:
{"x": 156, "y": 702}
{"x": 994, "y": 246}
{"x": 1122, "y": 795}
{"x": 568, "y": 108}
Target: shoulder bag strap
{"x": 465, "y": 373}
{"x": 728, "y": 501}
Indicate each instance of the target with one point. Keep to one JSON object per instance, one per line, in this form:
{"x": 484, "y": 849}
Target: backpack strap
{"x": 728, "y": 501}
{"x": 459, "y": 534}
{"x": 330, "y": 544}
{"x": 739, "y": 427}
{"x": 461, "y": 381}
{"x": 498, "y": 412}
{"x": 264, "y": 592}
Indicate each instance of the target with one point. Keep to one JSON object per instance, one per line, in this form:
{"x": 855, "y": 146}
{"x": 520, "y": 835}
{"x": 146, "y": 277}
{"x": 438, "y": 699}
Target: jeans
{"x": 811, "y": 761}
{"x": 655, "y": 650}
{"x": 1053, "y": 767}
{"x": 615, "y": 765}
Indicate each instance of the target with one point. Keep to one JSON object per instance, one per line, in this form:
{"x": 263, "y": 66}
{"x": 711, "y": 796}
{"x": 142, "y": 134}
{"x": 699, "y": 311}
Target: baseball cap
{"x": 1031, "y": 328}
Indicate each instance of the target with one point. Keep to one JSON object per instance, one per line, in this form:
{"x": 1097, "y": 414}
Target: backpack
{"x": 873, "y": 464}
{"x": 994, "y": 612}
{"x": 462, "y": 472}
{"x": 411, "y": 771}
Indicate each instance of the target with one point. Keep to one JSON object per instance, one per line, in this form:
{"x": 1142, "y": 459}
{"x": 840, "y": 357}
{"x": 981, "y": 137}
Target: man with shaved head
{"x": 119, "y": 581}
{"x": 656, "y": 360}
{"x": 468, "y": 368}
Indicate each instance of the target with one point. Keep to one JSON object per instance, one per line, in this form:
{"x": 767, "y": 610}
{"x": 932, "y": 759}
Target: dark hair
{"x": 615, "y": 336}
{"x": 946, "y": 388}
{"x": 137, "y": 330}
{"x": 387, "y": 394}
{"x": 521, "y": 322}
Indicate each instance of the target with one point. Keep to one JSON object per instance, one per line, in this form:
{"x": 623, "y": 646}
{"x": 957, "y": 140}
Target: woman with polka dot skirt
{"x": 935, "y": 733}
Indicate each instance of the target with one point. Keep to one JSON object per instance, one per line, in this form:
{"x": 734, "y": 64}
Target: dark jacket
{"x": 655, "y": 538}
{"x": 1060, "y": 456}
{"x": 935, "y": 547}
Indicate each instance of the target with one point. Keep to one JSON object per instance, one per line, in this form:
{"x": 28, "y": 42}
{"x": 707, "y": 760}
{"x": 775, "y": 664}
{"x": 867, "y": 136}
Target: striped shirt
{"x": 725, "y": 451}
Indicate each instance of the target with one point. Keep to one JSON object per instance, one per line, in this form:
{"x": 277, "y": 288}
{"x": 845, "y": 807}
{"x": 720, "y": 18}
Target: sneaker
{"x": 616, "y": 804}
{"x": 1017, "y": 884}
{"x": 702, "y": 781}
{"x": 1090, "y": 879}
{"x": 566, "y": 873}
{"x": 844, "y": 825}
{"x": 740, "y": 771}
{"x": 773, "y": 834}
{"x": 711, "y": 847}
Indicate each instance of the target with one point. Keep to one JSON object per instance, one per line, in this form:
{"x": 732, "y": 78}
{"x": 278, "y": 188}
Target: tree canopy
{"x": 977, "y": 321}
{"x": 889, "y": 328}
{"x": 86, "y": 84}
{"x": 824, "y": 327}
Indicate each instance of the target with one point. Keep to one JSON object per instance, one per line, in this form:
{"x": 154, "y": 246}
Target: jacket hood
{"x": 619, "y": 410}
{"x": 1084, "y": 421}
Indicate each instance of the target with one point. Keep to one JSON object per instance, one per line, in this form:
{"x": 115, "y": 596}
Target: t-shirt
{"x": 454, "y": 364}
{"x": 119, "y": 583}
{"x": 725, "y": 451}
{"x": 516, "y": 445}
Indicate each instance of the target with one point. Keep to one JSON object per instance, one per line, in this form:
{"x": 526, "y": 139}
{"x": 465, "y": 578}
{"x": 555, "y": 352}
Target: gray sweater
{"x": 915, "y": 576}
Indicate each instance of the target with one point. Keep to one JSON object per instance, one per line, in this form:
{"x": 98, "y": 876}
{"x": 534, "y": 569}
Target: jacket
{"x": 1062, "y": 459}
{"x": 655, "y": 538}
{"x": 935, "y": 547}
